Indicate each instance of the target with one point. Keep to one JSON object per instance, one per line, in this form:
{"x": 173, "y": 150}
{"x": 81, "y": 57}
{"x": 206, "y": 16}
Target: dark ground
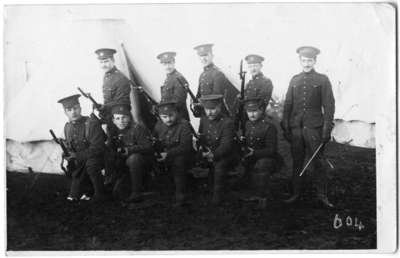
{"x": 38, "y": 218}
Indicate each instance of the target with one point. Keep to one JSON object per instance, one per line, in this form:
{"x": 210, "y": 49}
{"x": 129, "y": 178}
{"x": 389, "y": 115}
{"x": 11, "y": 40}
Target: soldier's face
{"x": 106, "y": 64}
{"x": 121, "y": 121}
{"x": 73, "y": 113}
{"x": 307, "y": 63}
{"x": 212, "y": 113}
{"x": 206, "y": 59}
{"x": 169, "y": 119}
{"x": 254, "y": 115}
{"x": 254, "y": 69}
{"x": 169, "y": 66}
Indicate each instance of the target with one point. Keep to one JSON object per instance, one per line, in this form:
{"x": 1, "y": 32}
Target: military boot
{"x": 98, "y": 185}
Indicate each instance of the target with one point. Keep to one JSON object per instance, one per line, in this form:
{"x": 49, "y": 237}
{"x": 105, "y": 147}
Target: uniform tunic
{"x": 175, "y": 139}
{"x": 134, "y": 137}
{"x": 261, "y": 136}
{"x": 172, "y": 87}
{"x": 309, "y": 101}
{"x": 261, "y": 86}
{"x": 116, "y": 88}
{"x": 86, "y": 137}
{"x": 218, "y": 135}
{"x": 212, "y": 81}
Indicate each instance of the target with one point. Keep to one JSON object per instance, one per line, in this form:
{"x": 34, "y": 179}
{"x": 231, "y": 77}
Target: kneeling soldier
{"x": 261, "y": 148}
{"x": 175, "y": 136}
{"x": 217, "y": 133}
{"x": 85, "y": 140}
{"x": 132, "y": 151}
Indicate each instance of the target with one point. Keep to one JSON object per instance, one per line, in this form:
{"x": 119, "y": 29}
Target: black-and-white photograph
{"x": 200, "y": 126}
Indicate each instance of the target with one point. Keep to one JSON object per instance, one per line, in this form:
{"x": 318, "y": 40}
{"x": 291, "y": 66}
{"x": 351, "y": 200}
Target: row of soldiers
{"x": 127, "y": 151}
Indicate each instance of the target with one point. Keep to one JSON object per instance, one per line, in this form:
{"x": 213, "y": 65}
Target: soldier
{"x": 259, "y": 82}
{"x": 171, "y": 86}
{"x": 85, "y": 139}
{"x": 116, "y": 86}
{"x": 132, "y": 152}
{"x": 261, "y": 147}
{"x": 212, "y": 81}
{"x": 307, "y": 121}
{"x": 175, "y": 136}
{"x": 217, "y": 133}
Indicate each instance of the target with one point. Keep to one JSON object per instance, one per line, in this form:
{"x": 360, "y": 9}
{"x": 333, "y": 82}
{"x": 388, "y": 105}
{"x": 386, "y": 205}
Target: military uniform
{"x": 212, "y": 81}
{"x": 218, "y": 135}
{"x": 307, "y": 121}
{"x": 131, "y": 154}
{"x": 85, "y": 139}
{"x": 176, "y": 141}
{"x": 262, "y": 85}
{"x": 261, "y": 136}
{"x": 259, "y": 84}
{"x": 116, "y": 86}
{"x": 172, "y": 87}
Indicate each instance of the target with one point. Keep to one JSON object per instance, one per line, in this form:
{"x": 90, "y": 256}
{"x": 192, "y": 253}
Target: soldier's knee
{"x": 94, "y": 166}
{"x": 134, "y": 160}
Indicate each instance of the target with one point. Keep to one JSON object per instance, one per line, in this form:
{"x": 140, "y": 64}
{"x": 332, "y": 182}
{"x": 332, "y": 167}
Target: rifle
{"x": 96, "y": 105}
{"x": 201, "y": 147}
{"x": 71, "y": 165}
{"x": 241, "y": 116}
{"x": 148, "y": 98}
{"x": 195, "y": 107}
{"x": 158, "y": 148}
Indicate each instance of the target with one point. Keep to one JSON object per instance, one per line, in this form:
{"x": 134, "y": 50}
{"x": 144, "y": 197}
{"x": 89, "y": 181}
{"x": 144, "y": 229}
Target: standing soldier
{"x": 116, "y": 86}
{"x": 171, "y": 86}
{"x": 212, "y": 81}
{"x": 131, "y": 152}
{"x": 307, "y": 121}
{"x": 217, "y": 133}
{"x": 175, "y": 136}
{"x": 261, "y": 147}
{"x": 85, "y": 139}
{"x": 259, "y": 82}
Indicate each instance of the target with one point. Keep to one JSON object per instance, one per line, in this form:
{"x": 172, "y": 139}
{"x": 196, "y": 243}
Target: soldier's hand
{"x": 326, "y": 133}
{"x": 163, "y": 156}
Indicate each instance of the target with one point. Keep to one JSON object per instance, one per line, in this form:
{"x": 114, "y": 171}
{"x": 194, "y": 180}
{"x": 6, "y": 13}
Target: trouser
{"x": 90, "y": 173}
{"x": 113, "y": 167}
{"x": 132, "y": 168}
{"x": 304, "y": 143}
{"x": 217, "y": 176}
{"x": 178, "y": 166}
{"x": 259, "y": 171}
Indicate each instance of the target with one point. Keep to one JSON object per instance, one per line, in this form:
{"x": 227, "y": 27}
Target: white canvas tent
{"x": 49, "y": 52}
